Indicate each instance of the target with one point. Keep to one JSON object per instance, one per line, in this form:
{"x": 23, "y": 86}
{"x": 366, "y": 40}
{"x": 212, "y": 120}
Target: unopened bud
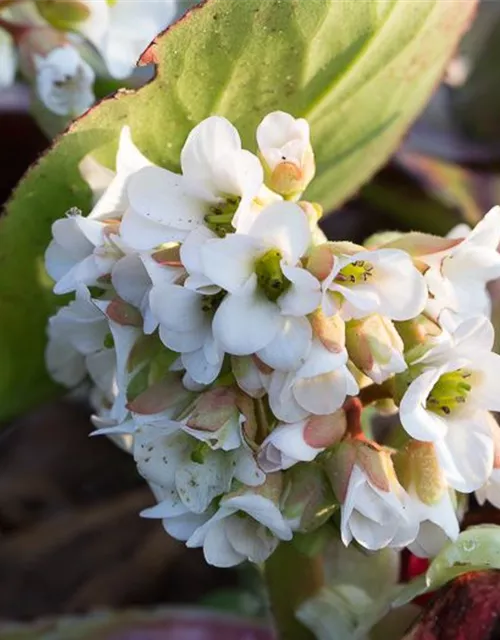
{"x": 375, "y": 347}
{"x": 286, "y": 153}
{"x": 329, "y": 330}
{"x": 418, "y": 469}
{"x": 417, "y": 332}
{"x": 308, "y": 498}
{"x": 63, "y": 15}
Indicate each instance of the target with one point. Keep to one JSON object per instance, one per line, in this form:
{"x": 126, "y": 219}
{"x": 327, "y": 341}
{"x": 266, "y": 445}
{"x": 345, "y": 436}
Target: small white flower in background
{"x": 448, "y": 402}
{"x": 65, "y": 81}
{"x": 217, "y": 187}
{"x": 8, "y": 60}
{"x": 122, "y": 29}
{"x": 285, "y": 149}
{"x": 457, "y": 278}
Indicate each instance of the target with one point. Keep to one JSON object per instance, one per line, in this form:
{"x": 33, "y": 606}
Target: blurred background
{"x": 70, "y": 537}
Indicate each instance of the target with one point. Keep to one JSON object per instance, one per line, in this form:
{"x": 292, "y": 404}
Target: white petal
{"x": 320, "y": 360}
{"x": 177, "y": 308}
{"x": 393, "y": 267}
{"x": 190, "y": 251}
{"x": 484, "y": 392}
{"x": 217, "y": 549}
{"x": 229, "y": 262}
{"x": 466, "y": 454}
{"x": 198, "y": 367}
{"x": 244, "y": 324}
{"x": 64, "y": 364}
{"x": 164, "y": 197}
{"x": 281, "y": 398}
{"x": 201, "y": 155}
{"x": 322, "y": 394}
{"x": 291, "y": 345}
{"x": 284, "y": 226}
{"x": 420, "y": 423}
{"x": 304, "y": 294}
{"x": 262, "y": 510}
{"x": 249, "y": 539}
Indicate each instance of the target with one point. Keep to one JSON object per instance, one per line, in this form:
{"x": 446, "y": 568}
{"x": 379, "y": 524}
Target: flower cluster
{"x": 233, "y": 349}
{"x": 62, "y": 46}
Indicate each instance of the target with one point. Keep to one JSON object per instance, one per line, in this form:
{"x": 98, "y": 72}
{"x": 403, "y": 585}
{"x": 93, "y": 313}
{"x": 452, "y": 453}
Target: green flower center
{"x": 449, "y": 392}
{"x": 220, "y": 216}
{"x": 210, "y": 304}
{"x": 270, "y": 277}
{"x": 355, "y": 273}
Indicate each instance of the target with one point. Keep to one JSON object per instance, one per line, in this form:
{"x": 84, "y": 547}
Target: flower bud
{"x": 375, "y": 347}
{"x": 416, "y": 332}
{"x": 373, "y": 503}
{"x": 329, "y": 330}
{"x": 418, "y": 469}
{"x": 63, "y": 15}
{"x": 286, "y": 153}
{"x": 308, "y": 499}
{"x": 216, "y": 419}
{"x": 290, "y": 443}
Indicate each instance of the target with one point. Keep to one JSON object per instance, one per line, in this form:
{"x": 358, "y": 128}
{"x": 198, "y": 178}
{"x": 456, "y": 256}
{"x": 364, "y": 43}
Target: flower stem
{"x": 292, "y": 578}
{"x": 374, "y": 392}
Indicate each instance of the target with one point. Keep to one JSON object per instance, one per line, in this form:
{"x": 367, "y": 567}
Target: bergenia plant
{"x": 319, "y": 408}
{"x": 232, "y": 347}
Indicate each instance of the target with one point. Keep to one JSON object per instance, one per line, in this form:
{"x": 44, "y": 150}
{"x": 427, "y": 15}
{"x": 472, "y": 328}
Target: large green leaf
{"x": 360, "y": 71}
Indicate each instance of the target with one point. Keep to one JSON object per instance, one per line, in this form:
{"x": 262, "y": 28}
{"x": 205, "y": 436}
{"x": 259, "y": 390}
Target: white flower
{"x": 8, "y": 60}
{"x": 121, "y": 30}
{"x": 288, "y": 444}
{"x": 267, "y": 291}
{"x": 247, "y": 526}
{"x": 178, "y": 521}
{"x": 218, "y": 184}
{"x": 185, "y": 319}
{"x": 319, "y": 386}
{"x": 490, "y": 491}
{"x": 109, "y": 187}
{"x": 448, "y": 403}
{"x": 383, "y": 281}
{"x": 64, "y": 81}
{"x": 134, "y": 277}
{"x": 438, "y": 524}
{"x": 188, "y": 470}
{"x": 285, "y": 148}
{"x": 77, "y": 343}
{"x": 457, "y": 278}
{"x": 85, "y": 249}
{"x": 376, "y": 517}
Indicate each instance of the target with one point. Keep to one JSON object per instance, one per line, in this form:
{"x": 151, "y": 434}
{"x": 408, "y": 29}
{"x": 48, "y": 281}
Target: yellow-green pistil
{"x": 270, "y": 277}
{"x": 221, "y": 215}
{"x": 355, "y": 273}
{"x": 450, "y": 391}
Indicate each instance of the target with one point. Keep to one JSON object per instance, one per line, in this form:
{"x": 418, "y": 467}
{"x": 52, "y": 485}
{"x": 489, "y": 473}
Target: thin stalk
{"x": 292, "y": 578}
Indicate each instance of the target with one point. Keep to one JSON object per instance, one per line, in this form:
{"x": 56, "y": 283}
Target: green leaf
{"x": 358, "y": 71}
{"x": 476, "y": 549}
